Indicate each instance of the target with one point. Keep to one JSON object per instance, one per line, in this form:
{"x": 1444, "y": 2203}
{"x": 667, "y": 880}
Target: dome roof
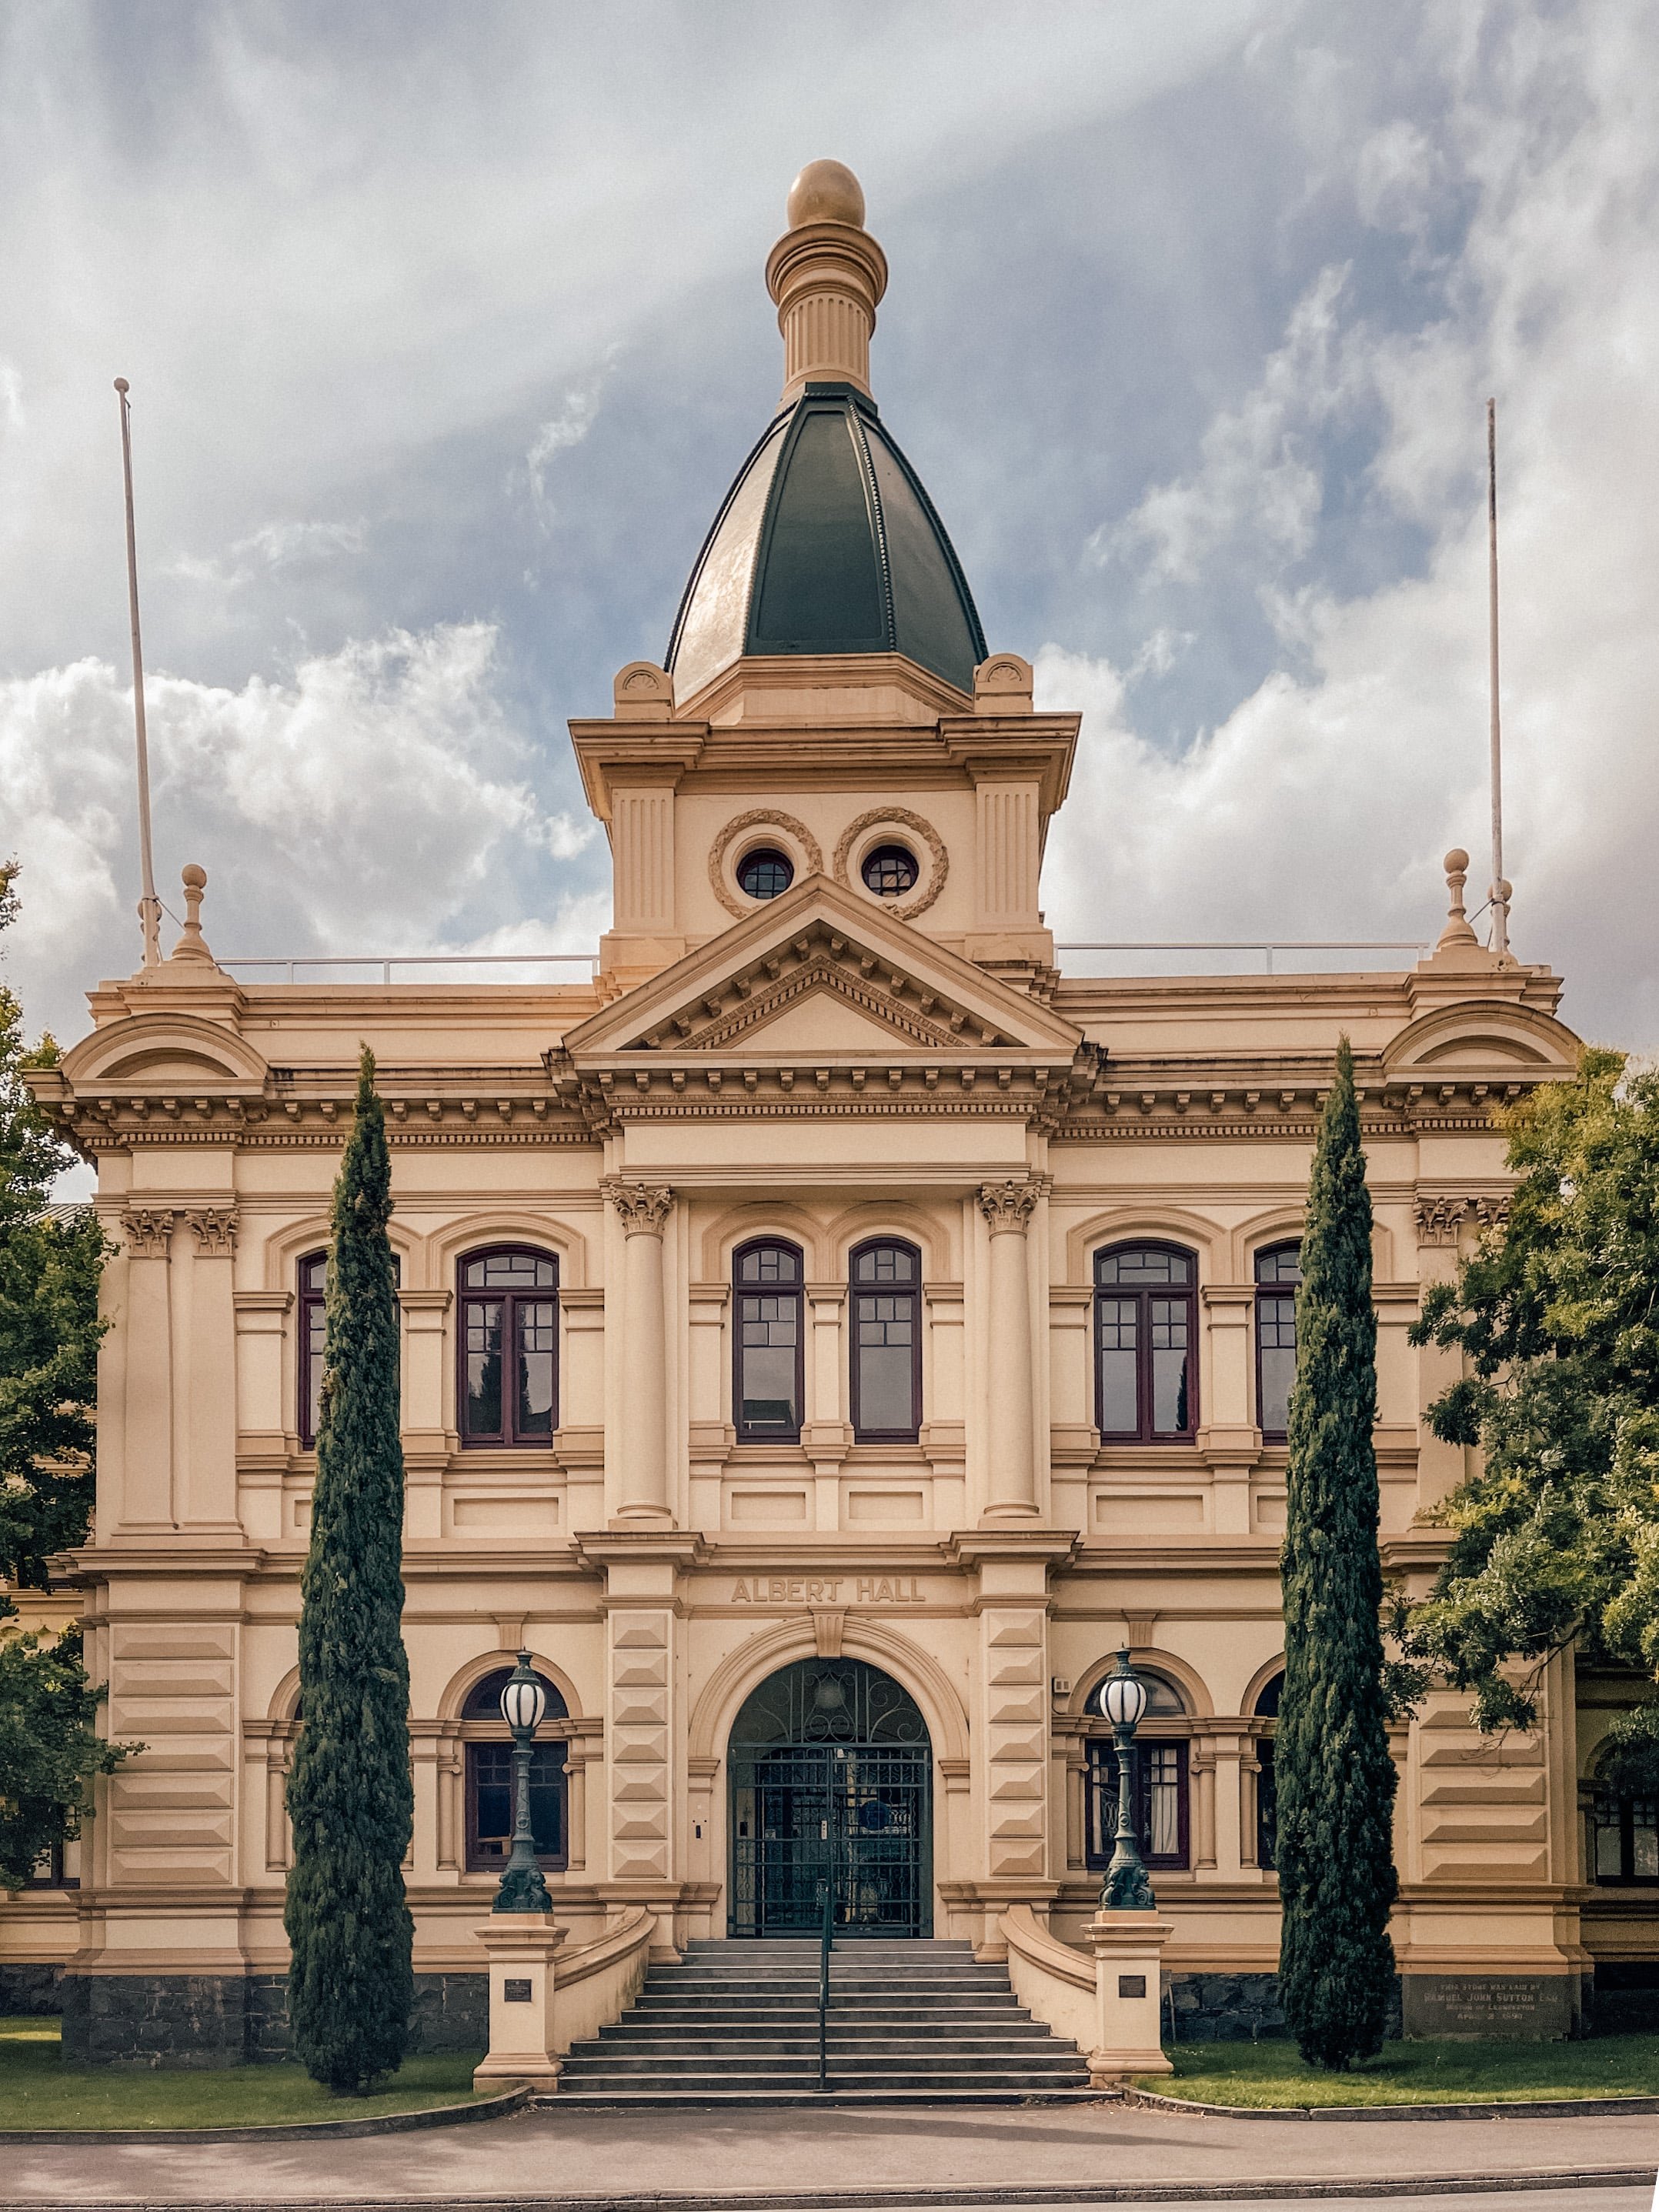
{"x": 826, "y": 543}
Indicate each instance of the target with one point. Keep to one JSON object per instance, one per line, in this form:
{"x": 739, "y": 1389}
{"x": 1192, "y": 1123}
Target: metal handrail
{"x": 825, "y": 1936}
{"x": 385, "y": 961}
{"x": 1266, "y": 947}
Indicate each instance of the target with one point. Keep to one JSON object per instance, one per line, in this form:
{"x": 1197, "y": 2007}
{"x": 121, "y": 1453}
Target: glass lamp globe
{"x": 523, "y": 1699}
{"x": 1123, "y": 1695}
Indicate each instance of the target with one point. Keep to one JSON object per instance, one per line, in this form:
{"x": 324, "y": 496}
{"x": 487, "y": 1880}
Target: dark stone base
{"x": 1232, "y": 2009}
{"x": 31, "y": 1989}
{"x": 1625, "y": 2000}
{"x": 234, "y": 2020}
{"x": 1501, "y": 2007}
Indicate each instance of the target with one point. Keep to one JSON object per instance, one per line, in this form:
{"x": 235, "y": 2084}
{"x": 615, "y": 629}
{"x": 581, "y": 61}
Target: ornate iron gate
{"x": 831, "y": 1777}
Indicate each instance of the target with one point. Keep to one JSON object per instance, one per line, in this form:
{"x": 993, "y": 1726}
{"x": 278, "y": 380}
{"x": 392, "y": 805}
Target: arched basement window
{"x": 1161, "y": 1809}
{"x": 488, "y": 1746}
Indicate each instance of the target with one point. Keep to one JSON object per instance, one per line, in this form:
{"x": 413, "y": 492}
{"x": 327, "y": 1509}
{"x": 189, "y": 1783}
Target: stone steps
{"x": 737, "y": 2023}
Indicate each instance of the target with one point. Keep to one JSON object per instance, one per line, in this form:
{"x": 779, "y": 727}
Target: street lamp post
{"x": 1123, "y": 1700}
{"x": 523, "y": 1702}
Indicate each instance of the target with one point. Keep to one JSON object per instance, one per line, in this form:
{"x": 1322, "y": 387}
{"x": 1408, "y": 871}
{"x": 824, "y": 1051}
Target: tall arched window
{"x": 488, "y": 1746}
{"x": 769, "y": 1374}
{"x": 886, "y": 1299}
{"x": 1267, "y": 1786}
{"x": 508, "y": 1337}
{"x": 1277, "y": 1272}
{"x": 313, "y": 1287}
{"x": 1145, "y": 1345}
{"x": 313, "y": 1274}
{"x": 1161, "y": 1798}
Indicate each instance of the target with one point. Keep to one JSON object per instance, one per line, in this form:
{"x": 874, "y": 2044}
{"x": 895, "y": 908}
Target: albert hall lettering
{"x": 826, "y": 1589}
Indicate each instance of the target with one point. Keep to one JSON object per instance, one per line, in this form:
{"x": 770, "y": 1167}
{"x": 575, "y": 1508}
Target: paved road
{"x": 535, "y": 2159}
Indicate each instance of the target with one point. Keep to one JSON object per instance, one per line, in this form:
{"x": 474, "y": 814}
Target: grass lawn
{"x": 1426, "y": 2073}
{"x": 37, "y": 2090}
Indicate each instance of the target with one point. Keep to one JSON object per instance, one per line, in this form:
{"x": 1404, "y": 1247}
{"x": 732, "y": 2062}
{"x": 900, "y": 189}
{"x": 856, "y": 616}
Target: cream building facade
{"x": 829, "y": 1335}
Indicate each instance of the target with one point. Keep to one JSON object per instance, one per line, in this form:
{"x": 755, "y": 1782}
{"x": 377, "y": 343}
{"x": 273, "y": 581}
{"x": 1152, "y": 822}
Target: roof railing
{"x": 385, "y": 961}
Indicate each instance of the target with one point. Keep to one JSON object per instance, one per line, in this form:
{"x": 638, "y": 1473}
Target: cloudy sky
{"x": 447, "y": 330}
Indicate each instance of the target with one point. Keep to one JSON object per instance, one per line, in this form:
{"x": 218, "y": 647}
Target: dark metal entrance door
{"x": 856, "y": 1816}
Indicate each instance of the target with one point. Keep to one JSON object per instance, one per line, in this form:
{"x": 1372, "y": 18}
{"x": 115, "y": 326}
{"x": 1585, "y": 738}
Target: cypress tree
{"x": 1334, "y": 1775}
{"x": 351, "y": 1985}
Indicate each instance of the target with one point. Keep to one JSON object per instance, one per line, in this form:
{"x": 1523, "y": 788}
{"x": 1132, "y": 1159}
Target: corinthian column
{"x": 1011, "y": 1490}
{"x": 640, "y": 1349}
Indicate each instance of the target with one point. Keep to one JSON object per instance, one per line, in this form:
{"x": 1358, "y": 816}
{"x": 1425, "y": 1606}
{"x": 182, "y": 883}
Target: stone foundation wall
{"x": 1233, "y": 2008}
{"x": 234, "y": 2020}
{"x": 31, "y": 1989}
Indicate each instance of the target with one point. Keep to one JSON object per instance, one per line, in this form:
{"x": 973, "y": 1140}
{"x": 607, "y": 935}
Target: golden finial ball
{"x": 826, "y": 191}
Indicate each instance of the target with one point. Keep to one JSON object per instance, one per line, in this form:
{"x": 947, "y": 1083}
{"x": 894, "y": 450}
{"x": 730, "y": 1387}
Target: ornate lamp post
{"x": 1122, "y": 1698}
{"x": 523, "y": 1702}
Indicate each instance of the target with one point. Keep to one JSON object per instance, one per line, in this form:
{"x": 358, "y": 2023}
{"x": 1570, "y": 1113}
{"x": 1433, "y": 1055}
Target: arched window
{"x": 1146, "y": 1340}
{"x": 1267, "y": 1786}
{"x": 1624, "y": 1833}
{"x": 1277, "y": 1272}
{"x": 886, "y": 1297}
{"x": 314, "y": 1285}
{"x": 768, "y": 1382}
{"x": 488, "y": 1744}
{"x": 313, "y": 1302}
{"x": 1161, "y": 1806}
{"x": 508, "y": 1337}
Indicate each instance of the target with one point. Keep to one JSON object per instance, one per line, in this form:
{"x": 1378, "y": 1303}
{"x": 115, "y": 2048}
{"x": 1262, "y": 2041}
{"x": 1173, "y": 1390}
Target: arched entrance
{"x": 831, "y": 1777}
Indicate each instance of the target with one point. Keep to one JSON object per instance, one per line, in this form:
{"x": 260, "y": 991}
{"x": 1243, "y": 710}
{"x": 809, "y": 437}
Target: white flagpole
{"x": 1500, "y": 888}
{"x": 150, "y": 907}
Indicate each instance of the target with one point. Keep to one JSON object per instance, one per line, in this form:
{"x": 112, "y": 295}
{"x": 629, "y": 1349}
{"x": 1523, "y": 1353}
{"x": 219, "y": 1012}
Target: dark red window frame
{"x": 1274, "y": 1294}
{"x": 1150, "y": 1301}
{"x": 312, "y": 1274}
{"x": 864, "y": 1299}
{"x": 488, "y": 1773}
{"x": 516, "y": 1303}
{"x": 758, "y": 1293}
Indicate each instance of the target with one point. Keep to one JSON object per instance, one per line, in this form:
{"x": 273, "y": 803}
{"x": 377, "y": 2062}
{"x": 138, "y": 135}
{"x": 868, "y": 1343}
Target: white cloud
{"x": 1320, "y": 807}
{"x": 370, "y": 800}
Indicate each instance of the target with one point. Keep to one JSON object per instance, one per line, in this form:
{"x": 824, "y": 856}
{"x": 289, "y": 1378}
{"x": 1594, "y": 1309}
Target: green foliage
{"x": 1556, "y": 1537}
{"x": 1334, "y": 1775}
{"x": 50, "y": 1749}
{"x": 351, "y": 1983}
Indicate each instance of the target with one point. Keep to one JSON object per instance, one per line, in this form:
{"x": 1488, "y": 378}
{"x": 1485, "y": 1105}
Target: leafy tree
{"x": 50, "y": 1748}
{"x": 1556, "y": 1536}
{"x": 351, "y": 1983}
{"x": 1332, "y": 1767}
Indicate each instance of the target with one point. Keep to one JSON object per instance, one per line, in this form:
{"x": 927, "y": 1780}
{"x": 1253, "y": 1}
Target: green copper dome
{"x": 826, "y": 543}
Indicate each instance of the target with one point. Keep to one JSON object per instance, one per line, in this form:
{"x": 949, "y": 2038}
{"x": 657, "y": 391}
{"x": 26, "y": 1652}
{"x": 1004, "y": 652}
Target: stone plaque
{"x": 1524, "y": 2008}
{"x": 516, "y": 1992}
{"x": 1131, "y": 1985}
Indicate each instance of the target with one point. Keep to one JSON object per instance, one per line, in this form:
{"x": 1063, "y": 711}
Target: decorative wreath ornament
{"x": 759, "y": 817}
{"x": 898, "y": 818}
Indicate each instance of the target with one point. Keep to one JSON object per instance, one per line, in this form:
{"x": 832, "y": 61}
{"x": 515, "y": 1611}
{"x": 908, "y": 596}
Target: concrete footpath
{"x": 922, "y": 2156}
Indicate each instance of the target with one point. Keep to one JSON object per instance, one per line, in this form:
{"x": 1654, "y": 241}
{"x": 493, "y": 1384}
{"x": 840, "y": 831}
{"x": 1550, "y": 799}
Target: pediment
{"x": 1484, "y": 1039}
{"x": 819, "y": 971}
{"x": 162, "y": 1051}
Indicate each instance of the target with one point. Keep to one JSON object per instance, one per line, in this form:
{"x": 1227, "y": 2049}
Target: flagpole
{"x": 150, "y": 907}
{"x": 1500, "y": 887}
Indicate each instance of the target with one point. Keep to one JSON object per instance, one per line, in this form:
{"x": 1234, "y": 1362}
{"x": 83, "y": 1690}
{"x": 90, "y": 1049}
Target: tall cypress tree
{"x": 351, "y": 1985}
{"x": 1334, "y": 1775}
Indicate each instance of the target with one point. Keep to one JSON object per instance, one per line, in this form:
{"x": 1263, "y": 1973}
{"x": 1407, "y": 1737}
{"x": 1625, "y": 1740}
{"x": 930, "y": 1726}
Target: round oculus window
{"x": 890, "y": 871}
{"x": 765, "y": 873}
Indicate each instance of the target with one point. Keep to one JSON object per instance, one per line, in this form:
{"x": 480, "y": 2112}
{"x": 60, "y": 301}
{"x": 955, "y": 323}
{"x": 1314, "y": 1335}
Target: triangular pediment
{"x": 820, "y": 972}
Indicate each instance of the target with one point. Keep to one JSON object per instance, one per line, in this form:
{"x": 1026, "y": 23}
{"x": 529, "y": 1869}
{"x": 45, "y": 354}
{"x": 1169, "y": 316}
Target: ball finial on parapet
{"x": 1457, "y": 931}
{"x": 825, "y": 191}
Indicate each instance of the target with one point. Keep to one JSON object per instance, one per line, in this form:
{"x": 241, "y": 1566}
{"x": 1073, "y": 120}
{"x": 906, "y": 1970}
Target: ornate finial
{"x": 1457, "y": 930}
{"x": 826, "y": 275}
{"x": 191, "y": 945}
